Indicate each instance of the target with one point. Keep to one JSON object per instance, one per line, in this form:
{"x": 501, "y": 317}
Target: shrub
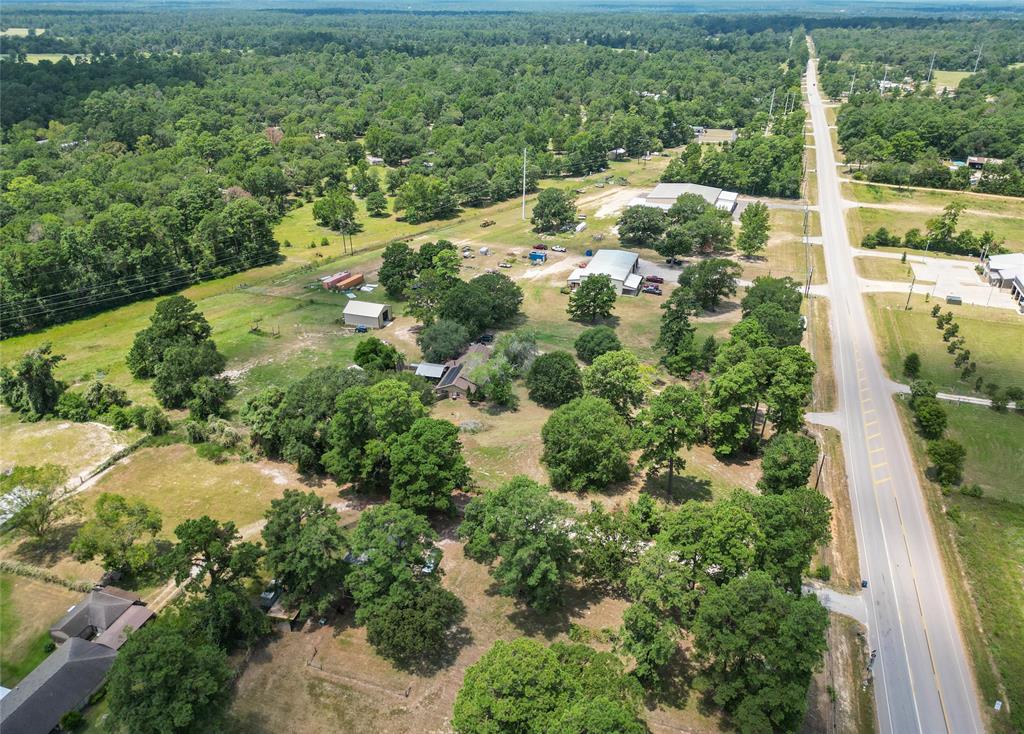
{"x": 212, "y": 452}
{"x": 972, "y": 490}
{"x": 195, "y": 432}
{"x": 930, "y": 417}
{"x": 72, "y": 406}
{"x": 595, "y": 341}
{"x": 948, "y": 460}
{"x": 119, "y": 418}
{"x": 154, "y": 422}
{"x": 823, "y": 572}
{"x": 912, "y": 366}
{"x": 222, "y": 433}
{"x": 71, "y": 721}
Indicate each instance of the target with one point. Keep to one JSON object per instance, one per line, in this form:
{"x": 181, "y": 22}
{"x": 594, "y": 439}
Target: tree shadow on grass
{"x": 48, "y": 551}
{"x": 553, "y": 622}
{"x": 684, "y": 488}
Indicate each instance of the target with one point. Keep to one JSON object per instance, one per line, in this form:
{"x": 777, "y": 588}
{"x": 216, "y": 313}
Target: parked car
{"x": 485, "y": 338}
{"x": 487, "y": 223}
{"x": 654, "y": 279}
{"x": 540, "y": 246}
{"x": 504, "y": 265}
{"x": 673, "y": 261}
{"x": 652, "y": 289}
{"x": 558, "y": 248}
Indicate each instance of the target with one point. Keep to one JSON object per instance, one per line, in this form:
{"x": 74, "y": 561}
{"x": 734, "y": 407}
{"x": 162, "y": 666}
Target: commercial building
{"x": 365, "y": 313}
{"x": 1001, "y": 269}
{"x": 664, "y": 195}
{"x": 619, "y": 265}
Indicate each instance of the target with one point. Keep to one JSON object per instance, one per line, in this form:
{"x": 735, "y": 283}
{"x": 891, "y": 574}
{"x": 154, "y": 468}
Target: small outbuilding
{"x": 366, "y": 313}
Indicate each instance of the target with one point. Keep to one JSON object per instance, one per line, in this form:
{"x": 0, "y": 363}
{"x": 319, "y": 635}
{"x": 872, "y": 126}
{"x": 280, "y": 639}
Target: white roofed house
{"x": 619, "y": 265}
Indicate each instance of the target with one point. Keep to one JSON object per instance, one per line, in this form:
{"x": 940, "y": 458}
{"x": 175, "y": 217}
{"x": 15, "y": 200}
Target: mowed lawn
{"x": 861, "y": 221}
{"x": 883, "y": 268}
{"x": 993, "y": 335}
{"x": 988, "y": 533}
{"x": 28, "y": 608}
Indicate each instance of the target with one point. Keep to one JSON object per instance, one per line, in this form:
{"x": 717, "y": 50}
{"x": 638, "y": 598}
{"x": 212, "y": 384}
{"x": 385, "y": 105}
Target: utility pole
{"x": 885, "y": 78}
{"x": 524, "y": 184}
{"x": 850, "y": 95}
{"x": 771, "y": 108}
{"x": 981, "y": 46}
{"x": 906, "y": 307}
{"x": 931, "y": 66}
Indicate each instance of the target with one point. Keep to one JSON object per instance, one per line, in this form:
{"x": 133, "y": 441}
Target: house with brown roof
{"x": 455, "y": 382}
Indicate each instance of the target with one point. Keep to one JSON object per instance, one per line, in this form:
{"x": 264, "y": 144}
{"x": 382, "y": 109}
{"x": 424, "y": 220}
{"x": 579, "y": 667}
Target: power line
{"x": 128, "y": 293}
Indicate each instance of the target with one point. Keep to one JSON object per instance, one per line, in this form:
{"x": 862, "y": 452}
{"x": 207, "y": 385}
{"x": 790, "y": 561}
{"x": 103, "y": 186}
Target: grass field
{"x": 982, "y": 540}
{"x": 993, "y": 335}
{"x": 868, "y": 193}
{"x": 21, "y": 32}
{"x": 78, "y": 447}
{"x": 181, "y": 485}
{"x": 818, "y": 341}
{"x": 1003, "y": 216}
{"x": 883, "y": 268}
{"x": 28, "y": 608}
{"x": 54, "y": 58}
{"x": 948, "y": 79}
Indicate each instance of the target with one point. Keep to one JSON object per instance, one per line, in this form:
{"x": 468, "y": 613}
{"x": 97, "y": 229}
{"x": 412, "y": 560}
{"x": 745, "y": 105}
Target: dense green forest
{"x": 168, "y": 157}
{"x": 905, "y": 133}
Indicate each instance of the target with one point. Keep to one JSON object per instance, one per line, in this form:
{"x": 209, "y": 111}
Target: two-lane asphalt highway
{"x": 923, "y": 681}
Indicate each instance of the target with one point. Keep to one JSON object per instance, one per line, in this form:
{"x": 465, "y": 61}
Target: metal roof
{"x": 617, "y": 264}
{"x": 674, "y": 190}
{"x": 430, "y": 369}
{"x": 1006, "y": 261}
{"x": 365, "y": 308}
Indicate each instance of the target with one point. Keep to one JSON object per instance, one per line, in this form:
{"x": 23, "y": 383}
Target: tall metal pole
{"x": 851, "y": 85}
{"x": 930, "y": 67}
{"x": 771, "y": 108}
{"x": 524, "y": 184}
{"x": 906, "y": 307}
{"x": 979, "y": 57}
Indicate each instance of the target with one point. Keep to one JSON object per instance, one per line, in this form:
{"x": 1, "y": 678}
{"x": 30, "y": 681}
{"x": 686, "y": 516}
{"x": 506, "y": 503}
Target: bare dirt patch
{"x": 608, "y": 202}
{"x": 837, "y": 700}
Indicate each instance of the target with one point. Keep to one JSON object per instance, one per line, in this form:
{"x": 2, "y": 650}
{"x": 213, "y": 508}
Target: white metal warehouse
{"x": 365, "y": 313}
{"x": 619, "y": 265}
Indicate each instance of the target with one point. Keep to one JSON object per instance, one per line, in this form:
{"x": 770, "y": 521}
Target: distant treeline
{"x": 136, "y": 174}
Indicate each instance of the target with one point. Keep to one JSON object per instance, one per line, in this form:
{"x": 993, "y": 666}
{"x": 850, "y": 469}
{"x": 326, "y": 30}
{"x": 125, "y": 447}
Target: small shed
{"x": 365, "y": 313}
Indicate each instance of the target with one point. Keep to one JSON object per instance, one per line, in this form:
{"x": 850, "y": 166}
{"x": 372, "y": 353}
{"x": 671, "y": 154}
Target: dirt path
{"x": 609, "y": 202}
